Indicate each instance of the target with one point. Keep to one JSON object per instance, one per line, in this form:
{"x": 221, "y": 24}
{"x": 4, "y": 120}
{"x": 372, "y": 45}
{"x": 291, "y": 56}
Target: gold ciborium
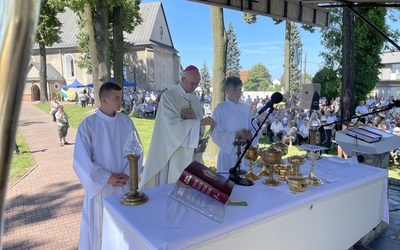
{"x": 270, "y": 155}
{"x": 296, "y": 161}
{"x": 251, "y": 155}
{"x": 133, "y": 150}
{"x": 282, "y": 170}
{"x": 297, "y": 184}
{"x": 282, "y": 146}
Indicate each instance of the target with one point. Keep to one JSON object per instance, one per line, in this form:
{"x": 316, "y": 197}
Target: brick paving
{"x": 43, "y": 209}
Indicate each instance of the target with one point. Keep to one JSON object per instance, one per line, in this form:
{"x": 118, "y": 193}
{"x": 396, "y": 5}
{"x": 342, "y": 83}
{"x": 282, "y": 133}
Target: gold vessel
{"x": 251, "y": 155}
{"x": 297, "y": 184}
{"x": 282, "y": 146}
{"x": 282, "y": 170}
{"x": 270, "y": 156}
{"x": 296, "y": 161}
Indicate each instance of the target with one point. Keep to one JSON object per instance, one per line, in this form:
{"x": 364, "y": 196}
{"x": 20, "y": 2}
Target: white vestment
{"x": 174, "y": 139}
{"x": 99, "y": 153}
{"x": 230, "y": 118}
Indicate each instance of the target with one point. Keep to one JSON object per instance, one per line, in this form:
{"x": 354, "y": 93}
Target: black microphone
{"x": 396, "y": 103}
{"x": 275, "y": 98}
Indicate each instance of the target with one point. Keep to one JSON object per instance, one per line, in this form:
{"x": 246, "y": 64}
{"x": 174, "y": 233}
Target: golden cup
{"x": 297, "y": 184}
{"x": 251, "y": 155}
{"x": 270, "y": 156}
{"x": 296, "y": 161}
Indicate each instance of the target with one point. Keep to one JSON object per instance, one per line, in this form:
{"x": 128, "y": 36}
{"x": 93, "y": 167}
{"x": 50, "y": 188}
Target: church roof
{"x": 140, "y": 36}
{"x": 52, "y": 73}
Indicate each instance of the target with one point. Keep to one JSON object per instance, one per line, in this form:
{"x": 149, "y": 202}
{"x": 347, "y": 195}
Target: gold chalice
{"x": 296, "y": 161}
{"x": 251, "y": 155}
{"x": 297, "y": 184}
{"x": 282, "y": 170}
{"x": 270, "y": 155}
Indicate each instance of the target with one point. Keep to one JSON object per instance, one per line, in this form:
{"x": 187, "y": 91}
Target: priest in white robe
{"x": 234, "y": 121}
{"x": 99, "y": 161}
{"x": 176, "y": 132}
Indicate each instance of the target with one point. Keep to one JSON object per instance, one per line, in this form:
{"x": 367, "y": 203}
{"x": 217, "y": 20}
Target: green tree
{"x": 296, "y": 48}
{"x": 330, "y": 82}
{"x": 48, "y": 33}
{"x": 258, "y": 79}
{"x": 100, "y": 21}
{"x": 367, "y": 49}
{"x": 233, "y": 53}
{"x": 205, "y": 78}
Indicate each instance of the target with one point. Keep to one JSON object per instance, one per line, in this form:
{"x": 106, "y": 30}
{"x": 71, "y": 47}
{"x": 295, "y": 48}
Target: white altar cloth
{"x": 350, "y": 203}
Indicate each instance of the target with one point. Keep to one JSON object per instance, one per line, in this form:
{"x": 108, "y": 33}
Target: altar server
{"x": 234, "y": 123}
{"x": 176, "y": 132}
{"x": 99, "y": 161}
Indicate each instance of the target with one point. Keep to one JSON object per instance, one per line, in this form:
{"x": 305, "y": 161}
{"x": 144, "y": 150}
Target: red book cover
{"x": 207, "y": 181}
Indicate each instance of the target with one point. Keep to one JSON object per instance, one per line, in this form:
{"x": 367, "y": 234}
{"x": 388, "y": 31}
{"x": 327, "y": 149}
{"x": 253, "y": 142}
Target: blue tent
{"x": 75, "y": 84}
{"x": 126, "y": 83}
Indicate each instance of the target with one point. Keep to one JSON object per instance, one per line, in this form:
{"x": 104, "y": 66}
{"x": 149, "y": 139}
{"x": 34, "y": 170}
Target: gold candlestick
{"x": 133, "y": 197}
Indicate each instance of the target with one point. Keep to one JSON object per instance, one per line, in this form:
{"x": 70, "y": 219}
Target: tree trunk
{"x": 101, "y": 27}
{"x": 43, "y": 73}
{"x": 118, "y": 46}
{"x": 347, "y": 105}
{"x": 287, "y": 63}
{"x": 94, "y": 62}
{"x": 219, "y": 64}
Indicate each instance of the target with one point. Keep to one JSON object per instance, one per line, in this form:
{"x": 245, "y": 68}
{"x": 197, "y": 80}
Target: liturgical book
{"x": 364, "y": 135}
{"x": 207, "y": 181}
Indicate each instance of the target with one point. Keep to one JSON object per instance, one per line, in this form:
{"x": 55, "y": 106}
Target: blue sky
{"x": 190, "y": 27}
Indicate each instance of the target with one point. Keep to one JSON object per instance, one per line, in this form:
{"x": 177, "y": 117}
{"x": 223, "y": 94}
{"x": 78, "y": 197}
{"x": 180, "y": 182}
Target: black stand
{"x": 378, "y": 110}
{"x": 233, "y": 172}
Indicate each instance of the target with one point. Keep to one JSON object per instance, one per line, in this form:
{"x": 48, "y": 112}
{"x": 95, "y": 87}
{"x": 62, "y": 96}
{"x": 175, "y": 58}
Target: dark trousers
{"x": 271, "y": 136}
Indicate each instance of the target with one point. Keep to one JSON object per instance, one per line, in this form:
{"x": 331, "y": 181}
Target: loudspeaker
{"x": 306, "y": 95}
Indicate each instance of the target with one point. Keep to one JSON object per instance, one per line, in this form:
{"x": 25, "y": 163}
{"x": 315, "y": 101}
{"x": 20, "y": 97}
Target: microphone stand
{"x": 233, "y": 172}
{"x": 388, "y": 107}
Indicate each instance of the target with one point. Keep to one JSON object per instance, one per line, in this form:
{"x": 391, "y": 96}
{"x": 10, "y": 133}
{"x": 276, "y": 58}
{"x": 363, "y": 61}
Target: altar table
{"x": 350, "y": 203}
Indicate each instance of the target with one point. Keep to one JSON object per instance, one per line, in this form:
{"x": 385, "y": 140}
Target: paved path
{"x": 43, "y": 210}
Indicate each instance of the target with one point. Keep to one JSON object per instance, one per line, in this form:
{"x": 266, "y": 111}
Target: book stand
{"x": 182, "y": 194}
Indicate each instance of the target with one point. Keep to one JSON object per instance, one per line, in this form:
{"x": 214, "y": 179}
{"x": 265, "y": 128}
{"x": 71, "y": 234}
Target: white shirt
{"x": 98, "y": 153}
{"x": 230, "y": 118}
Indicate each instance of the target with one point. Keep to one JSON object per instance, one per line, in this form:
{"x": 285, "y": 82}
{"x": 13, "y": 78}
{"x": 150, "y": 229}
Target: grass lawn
{"x": 145, "y": 127}
{"x": 22, "y": 162}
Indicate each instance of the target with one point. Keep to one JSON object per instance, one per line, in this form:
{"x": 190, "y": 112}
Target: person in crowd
{"x": 54, "y": 107}
{"x": 176, "y": 132}
{"x": 92, "y": 98}
{"x": 329, "y": 129}
{"x": 127, "y": 102}
{"x": 99, "y": 160}
{"x": 290, "y": 134}
{"x": 276, "y": 130}
{"x": 361, "y": 109}
{"x": 234, "y": 120}
{"x": 302, "y": 134}
{"x": 62, "y": 124}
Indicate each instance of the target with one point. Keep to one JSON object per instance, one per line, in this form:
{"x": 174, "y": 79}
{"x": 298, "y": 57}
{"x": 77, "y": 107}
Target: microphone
{"x": 275, "y": 98}
{"x": 396, "y": 103}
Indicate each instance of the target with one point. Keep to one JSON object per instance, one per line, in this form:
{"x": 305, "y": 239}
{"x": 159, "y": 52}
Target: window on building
{"x": 69, "y": 62}
{"x": 395, "y": 68}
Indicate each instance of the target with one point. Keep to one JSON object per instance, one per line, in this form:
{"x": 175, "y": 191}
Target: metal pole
{"x": 18, "y": 22}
